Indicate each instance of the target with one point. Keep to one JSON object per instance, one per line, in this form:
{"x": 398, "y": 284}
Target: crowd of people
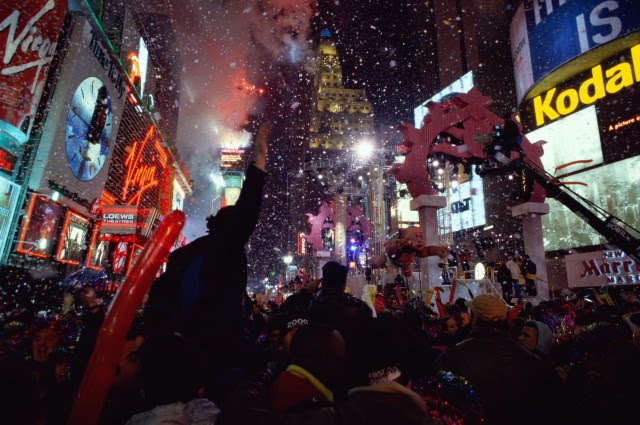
{"x": 321, "y": 357}
{"x": 202, "y": 351}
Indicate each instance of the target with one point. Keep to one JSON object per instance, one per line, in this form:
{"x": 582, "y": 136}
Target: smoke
{"x": 227, "y": 46}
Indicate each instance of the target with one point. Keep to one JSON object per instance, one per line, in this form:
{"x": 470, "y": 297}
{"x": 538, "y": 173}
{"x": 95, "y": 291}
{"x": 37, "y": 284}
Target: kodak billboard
{"x": 613, "y": 76}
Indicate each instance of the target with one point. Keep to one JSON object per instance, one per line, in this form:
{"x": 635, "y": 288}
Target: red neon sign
{"x": 139, "y": 176}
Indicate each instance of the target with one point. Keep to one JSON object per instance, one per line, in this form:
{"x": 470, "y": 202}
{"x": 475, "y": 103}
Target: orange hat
{"x": 488, "y": 307}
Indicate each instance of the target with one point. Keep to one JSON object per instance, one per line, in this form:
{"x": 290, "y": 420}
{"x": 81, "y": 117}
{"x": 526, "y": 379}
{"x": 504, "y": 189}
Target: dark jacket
{"x": 504, "y": 374}
{"x": 202, "y": 293}
{"x": 297, "y": 303}
{"x": 386, "y": 403}
{"x": 342, "y": 311}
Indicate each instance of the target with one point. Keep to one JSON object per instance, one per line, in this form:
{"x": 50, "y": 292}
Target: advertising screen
{"x": 7, "y": 161}
{"x": 231, "y": 159}
{"x": 405, "y": 215}
{"x": 555, "y": 32}
{"x": 619, "y": 121}
{"x": 575, "y": 137}
{"x": 88, "y": 129}
{"x": 461, "y": 85}
{"x": 78, "y": 135}
{"x": 8, "y": 197}
{"x": 467, "y": 204}
{"x": 615, "y": 187}
{"x": 72, "y": 244}
{"x": 28, "y": 39}
{"x": 98, "y": 250}
{"x": 39, "y": 227}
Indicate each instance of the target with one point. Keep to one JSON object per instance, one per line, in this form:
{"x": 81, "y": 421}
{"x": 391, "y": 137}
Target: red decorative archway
{"x": 468, "y": 117}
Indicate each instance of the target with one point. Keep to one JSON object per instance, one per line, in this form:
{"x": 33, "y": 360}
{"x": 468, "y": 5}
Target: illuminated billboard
{"x": 615, "y": 187}
{"x": 39, "y": 227}
{"x": 547, "y": 34}
{"x": 616, "y": 74}
{"x": 76, "y": 146}
{"x": 232, "y": 159}
{"x": 98, "y": 248}
{"x": 8, "y": 198}
{"x": 610, "y": 267}
{"x": 72, "y": 244}
{"x": 28, "y": 39}
{"x": 461, "y": 85}
{"x": 573, "y": 138}
{"x": 466, "y": 205}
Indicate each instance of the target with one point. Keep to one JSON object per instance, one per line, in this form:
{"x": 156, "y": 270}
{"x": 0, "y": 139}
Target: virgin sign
{"x": 28, "y": 38}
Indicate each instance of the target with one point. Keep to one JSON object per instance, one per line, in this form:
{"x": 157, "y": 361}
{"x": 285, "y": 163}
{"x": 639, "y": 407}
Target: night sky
{"x": 268, "y": 43}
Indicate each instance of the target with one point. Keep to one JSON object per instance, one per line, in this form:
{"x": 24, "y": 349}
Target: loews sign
{"x": 598, "y": 83}
{"x": 119, "y": 219}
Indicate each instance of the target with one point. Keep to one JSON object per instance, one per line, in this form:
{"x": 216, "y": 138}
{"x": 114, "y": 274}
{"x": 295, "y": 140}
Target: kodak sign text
{"x": 599, "y": 83}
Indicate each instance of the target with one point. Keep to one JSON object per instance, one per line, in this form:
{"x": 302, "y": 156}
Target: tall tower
{"x": 341, "y": 120}
{"x": 340, "y": 116}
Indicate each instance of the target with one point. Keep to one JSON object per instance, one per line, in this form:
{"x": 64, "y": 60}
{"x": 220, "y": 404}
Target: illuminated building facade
{"x": 340, "y": 116}
{"x": 579, "y": 92}
{"x": 101, "y": 174}
{"x": 232, "y": 171}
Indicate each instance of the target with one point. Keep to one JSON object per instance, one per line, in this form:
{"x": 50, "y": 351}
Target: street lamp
{"x": 364, "y": 150}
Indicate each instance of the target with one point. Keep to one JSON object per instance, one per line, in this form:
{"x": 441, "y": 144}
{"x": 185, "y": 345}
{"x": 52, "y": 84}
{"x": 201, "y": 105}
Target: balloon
{"x": 102, "y": 367}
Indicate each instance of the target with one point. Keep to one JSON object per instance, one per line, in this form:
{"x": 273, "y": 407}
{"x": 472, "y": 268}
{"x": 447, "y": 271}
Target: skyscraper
{"x": 340, "y": 116}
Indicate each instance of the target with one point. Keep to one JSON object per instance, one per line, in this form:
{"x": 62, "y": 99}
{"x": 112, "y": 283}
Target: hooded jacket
{"x": 545, "y": 337}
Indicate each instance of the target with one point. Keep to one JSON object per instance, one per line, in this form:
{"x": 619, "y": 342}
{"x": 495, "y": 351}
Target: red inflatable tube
{"x": 99, "y": 375}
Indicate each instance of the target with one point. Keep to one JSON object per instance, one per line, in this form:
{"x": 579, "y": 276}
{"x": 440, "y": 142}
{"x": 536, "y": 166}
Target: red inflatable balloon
{"x": 100, "y": 372}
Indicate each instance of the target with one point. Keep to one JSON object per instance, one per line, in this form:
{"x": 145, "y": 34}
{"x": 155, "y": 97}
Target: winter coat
{"x": 342, "y": 311}
{"x": 384, "y": 403}
{"x": 297, "y": 303}
{"x": 196, "y": 412}
{"x": 203, "y": 291}
{"x": 503, "y": 371}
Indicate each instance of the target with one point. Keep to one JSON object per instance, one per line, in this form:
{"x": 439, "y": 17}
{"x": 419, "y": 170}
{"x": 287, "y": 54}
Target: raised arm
{"x": 249, "y": 203}
{"x": 262, "y": 146}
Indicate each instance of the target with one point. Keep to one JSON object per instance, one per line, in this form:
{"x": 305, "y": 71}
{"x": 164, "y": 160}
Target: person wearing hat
{"x": 379, "y": 392}
{"x": 289, "y": 329}
{"x": 499, "y": 368}
{"x": 334, "y": 307}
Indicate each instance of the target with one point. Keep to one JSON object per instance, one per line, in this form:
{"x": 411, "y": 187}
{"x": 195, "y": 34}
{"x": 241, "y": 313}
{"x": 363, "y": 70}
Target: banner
{"x": 28, "y": 39}
{"x": 600, "y": 268}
